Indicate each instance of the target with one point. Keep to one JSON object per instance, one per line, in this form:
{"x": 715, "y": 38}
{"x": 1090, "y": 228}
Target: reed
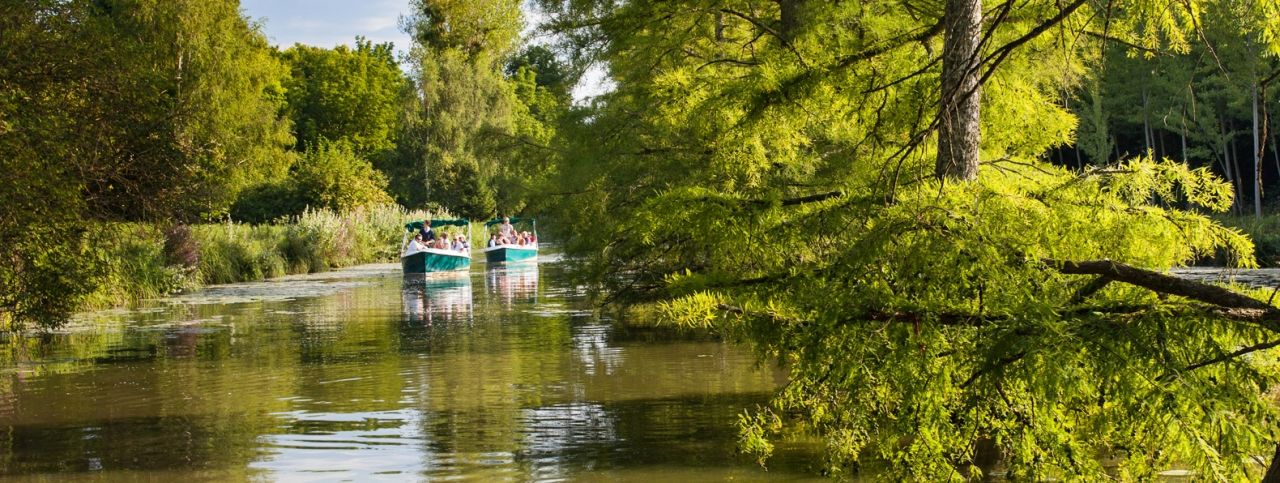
{"x": 141, "y": 261}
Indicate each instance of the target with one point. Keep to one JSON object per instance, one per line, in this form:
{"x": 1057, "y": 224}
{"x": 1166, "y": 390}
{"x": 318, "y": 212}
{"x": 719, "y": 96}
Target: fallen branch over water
{"x": 1231, "y": 304}
{"x": 1162, "y": 283}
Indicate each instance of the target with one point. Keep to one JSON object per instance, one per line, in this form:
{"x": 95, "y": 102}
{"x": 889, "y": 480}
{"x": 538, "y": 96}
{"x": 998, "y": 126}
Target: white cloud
{"x": 327, "y": 23}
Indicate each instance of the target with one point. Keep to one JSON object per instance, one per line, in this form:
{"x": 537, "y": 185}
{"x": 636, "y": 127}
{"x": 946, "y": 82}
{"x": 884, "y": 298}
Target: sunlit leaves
{"x": 779, "y": 187}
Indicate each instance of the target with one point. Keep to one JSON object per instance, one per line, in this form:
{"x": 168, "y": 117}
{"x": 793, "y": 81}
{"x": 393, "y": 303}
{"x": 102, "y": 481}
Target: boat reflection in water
{"x": 512, "y": 282}
{"x": 437, "y": 297}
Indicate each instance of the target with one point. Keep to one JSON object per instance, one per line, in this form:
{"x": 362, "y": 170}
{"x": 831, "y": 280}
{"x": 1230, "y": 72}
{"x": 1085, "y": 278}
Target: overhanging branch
{"x": 1159, "y": 282}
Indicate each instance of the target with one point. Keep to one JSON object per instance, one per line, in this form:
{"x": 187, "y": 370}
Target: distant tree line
{"x": 1212, "y": 104}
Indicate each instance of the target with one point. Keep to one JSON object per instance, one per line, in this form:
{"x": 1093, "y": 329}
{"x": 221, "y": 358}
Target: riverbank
{"x": 140, "y": 261}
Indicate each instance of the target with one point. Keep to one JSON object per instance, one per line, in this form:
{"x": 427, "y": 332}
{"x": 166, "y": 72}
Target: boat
{"x": 432, "y": 259}
{"x": 508, "y": 252}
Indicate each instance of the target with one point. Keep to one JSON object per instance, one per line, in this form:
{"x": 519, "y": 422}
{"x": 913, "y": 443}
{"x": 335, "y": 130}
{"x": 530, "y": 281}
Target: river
{"x": 501, "y": 373}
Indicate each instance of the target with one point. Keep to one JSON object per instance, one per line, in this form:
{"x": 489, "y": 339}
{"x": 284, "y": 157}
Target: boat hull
{"x": 509, "y": 253}
{"x": 434, "y": 261}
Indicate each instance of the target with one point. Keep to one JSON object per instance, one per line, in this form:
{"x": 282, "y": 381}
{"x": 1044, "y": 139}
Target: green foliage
{"x": 331, "y": 176}
{"x": 475, "y": 138}
{"x": 267, "y": 202}
{"x": 911, "y": 330}
{"x": 1185, "y": 100}
{"x": 1265, "y": 233}
{"x": 135, "y": 266}
{"x": 328, "y": 176}
{"x": 137, "y": 260}
{"x": 122, "y": 110}
{"x": 177, "y": 100}
{"x": 773, "y": 177}
{"x": 346, "y": 94}
{"x": 549, "y": 71}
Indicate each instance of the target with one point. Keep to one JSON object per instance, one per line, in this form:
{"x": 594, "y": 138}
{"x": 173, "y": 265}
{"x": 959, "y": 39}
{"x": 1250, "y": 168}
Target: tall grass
{"x": 143, "y": 261}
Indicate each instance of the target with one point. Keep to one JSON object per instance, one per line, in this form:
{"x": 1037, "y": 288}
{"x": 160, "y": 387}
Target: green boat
{"x": 433, "y": 259}
{"x": 508, "y": 252}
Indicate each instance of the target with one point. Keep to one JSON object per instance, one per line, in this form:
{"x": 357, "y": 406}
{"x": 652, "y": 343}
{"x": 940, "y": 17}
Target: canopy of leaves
{"x": 122, "y": 110}
{"x": 474, "y": 136}
{"x": 346, "y": 94}
{"x": 770, "y": 166}
{"x": 329, "y": 175}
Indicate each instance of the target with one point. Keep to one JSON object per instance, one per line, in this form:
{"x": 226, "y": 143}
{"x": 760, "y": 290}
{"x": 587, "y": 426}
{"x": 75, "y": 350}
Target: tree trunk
{"x": 1226, "y": 164}
{"x": 1257, "y": 160}
{"x": 790, "y": 11}
{"x": 1146, "y": 126}
{"x": 1158, "y": 134}
{"x": 1273, "y": 471}
{"x": 958, "y": 112}
{"x": 1183, "y": 135}
{"x": 1235, "y": 166}
{"x": 1275, "y": 153}
{"x": 719, "y": 26}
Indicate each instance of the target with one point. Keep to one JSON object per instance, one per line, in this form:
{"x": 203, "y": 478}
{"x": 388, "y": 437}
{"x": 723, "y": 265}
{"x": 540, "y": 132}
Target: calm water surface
{"x": 503, "y": 373}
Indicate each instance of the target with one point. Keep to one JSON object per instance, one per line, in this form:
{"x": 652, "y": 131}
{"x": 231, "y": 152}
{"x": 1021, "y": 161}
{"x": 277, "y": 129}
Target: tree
{"x": 343, "y": 94}
{"x": 549, "y": 71}
{"x": 764, "y": 168}
{"x": 329, "y": 175}
{"x": 1191, "y": 104}
{"x": 462, "y": 99}
{"x": 958, "y": 116}
{"x": 122, "y": 110}
{"x": 180, "y": 107}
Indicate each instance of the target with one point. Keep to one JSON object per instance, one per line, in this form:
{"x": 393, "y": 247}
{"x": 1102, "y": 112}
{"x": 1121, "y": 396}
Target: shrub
{"x": 119, "y": 263}
{"x": 180, "y": 247}
{"x": 332, "y": 176}
{"x": 329, "y": 176}
{"x": 267, "y": 202}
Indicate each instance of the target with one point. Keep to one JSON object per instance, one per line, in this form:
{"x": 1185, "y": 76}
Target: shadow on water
{"x": 364, "y": 374}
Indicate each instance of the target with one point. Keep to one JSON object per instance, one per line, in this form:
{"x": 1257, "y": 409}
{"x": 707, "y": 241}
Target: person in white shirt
{"x": 507, "y": 231}
{"x": 415, "y": 245}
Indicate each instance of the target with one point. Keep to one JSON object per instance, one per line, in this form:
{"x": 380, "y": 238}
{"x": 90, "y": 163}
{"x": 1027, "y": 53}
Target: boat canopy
{"x": 496, "y": 221}
{"x": 417, "y": 225}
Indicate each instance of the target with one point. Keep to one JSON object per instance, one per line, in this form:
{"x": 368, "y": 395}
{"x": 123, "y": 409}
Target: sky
{"x": 328, "y": 23}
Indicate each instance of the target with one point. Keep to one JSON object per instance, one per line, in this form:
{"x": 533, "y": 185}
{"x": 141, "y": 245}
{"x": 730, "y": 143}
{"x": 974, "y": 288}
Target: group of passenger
{"x": 507, "y": 235}
{"x": 427, "y": 238}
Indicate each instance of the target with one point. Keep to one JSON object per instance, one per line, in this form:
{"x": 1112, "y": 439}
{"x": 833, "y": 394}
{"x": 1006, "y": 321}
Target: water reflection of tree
{"x": 193, "y": 386}
{"x": 229, "y": 387}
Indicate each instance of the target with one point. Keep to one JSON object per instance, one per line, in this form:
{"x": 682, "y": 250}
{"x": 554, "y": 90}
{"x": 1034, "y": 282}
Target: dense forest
{"x": 950, "y": 221}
